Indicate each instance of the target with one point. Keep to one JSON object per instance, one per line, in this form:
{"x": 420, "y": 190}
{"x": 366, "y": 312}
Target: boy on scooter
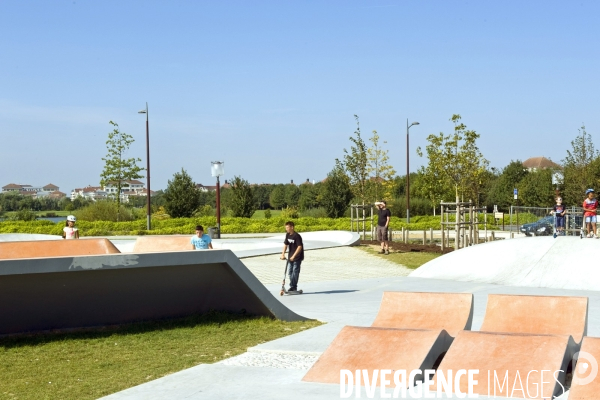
{"x": 295, "y": 255}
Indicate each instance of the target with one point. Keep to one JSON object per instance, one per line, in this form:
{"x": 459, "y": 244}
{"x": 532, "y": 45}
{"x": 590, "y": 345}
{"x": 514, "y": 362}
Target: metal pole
{"x": 407, "y": 178}
{"x": 148, "y": 209}
{"x": 218, "y": 208}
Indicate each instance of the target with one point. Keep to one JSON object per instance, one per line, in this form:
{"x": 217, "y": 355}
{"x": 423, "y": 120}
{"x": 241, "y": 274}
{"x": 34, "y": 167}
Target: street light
{"x": 148, "y": 226}
{"x": 217, "y": 169}
{"x": 408, "y": 173}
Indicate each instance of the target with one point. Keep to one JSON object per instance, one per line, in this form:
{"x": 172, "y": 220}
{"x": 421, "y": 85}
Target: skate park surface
{"x": 350, "y": 293}
{"x": 276, "y": 369}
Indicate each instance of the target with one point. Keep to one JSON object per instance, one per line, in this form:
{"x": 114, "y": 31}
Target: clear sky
{"x": 271, "y": 87}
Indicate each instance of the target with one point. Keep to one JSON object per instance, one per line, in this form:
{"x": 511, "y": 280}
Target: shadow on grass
{"x": 210, "y": 318}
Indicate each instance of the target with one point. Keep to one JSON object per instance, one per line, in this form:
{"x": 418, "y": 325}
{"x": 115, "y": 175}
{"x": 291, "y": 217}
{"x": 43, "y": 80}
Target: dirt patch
{"x": 406, "y": 248}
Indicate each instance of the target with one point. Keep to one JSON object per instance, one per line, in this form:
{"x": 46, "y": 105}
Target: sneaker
{"x": 589, "y": 235}
{"x": 292, "y": 289}
{"x": 387, "y": 252}
{"x": 381, "y": 252}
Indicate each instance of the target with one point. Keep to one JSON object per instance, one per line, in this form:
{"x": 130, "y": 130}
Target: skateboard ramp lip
{"x": 511, "y": 354}
{"x": 532, "y": 262}
{"x": 552, "y": 315}
{"x": 55, "y": 248}
{"x": 426, "y": 310}
{"x": 360, "y": 348}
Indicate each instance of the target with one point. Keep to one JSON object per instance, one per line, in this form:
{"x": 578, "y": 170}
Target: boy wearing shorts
{"x": 590, "y": 204}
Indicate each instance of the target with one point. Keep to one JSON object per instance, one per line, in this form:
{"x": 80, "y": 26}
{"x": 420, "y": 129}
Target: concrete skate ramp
{"x": 147, "y": 244}
{"x": 55, "y": 248}
{"x": 74, "y": 292}
{"x": 507, "y": 354}
{"x": 548, "y": 315}
{"x": 378, "y": 348}
{"x": 248, "y": 247}
{"x": 562, "y": 263}
{"x": 409, "y": 310}
{"x": 586, "y": 381}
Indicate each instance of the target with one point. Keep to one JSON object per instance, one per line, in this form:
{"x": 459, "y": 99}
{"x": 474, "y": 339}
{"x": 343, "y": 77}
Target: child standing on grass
{"x": 201, "y": 241}
{"x": 69, "y": 231}
{"x": 590, "y": 204}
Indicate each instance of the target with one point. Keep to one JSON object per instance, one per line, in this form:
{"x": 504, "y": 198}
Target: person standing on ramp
{"x": 293, "y": 240}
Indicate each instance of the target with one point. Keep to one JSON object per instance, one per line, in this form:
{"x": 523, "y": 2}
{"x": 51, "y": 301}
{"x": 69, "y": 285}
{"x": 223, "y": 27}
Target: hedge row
{"x": 188, "y": 226}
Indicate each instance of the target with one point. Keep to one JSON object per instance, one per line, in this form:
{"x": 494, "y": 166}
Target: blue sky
{"x": 271, "y": 87}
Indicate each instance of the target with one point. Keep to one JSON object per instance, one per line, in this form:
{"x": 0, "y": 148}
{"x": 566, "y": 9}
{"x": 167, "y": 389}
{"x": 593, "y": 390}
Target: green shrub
{"x": 104, "y": 211}
{"x": 267, "y": 213}
{"x": 289, "y": 213}
{"x": 314, "y": 212}
{"x": 25, "y": 215}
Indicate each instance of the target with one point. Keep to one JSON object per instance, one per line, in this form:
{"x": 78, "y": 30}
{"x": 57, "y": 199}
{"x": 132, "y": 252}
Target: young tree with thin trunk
{"x": 117, "y": 168}
{"x": 356, "y": 165}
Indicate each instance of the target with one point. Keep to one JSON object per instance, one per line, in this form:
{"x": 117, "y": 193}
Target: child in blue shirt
{"x": 201, "y": 241}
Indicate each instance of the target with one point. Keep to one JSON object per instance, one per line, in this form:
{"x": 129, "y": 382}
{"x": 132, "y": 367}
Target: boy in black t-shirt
{"x": 296, "y": 254}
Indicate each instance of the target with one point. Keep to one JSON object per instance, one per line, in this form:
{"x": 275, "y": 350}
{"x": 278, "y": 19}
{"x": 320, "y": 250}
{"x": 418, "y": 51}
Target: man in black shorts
{"x": 383, "y": 221}
{"x": 295, "y": 256}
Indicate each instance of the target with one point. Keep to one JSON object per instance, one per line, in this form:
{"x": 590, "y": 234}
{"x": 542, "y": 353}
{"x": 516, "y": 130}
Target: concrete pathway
{"x": 339, "y": 263}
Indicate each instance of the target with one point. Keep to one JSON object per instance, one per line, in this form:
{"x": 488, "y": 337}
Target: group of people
{"x": 590, "y": 205}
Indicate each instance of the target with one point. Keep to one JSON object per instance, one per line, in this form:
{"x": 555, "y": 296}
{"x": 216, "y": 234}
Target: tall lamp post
{"x": 408, "y": 173}
{"x": 218, "y": 169}
{"x": 148, "y": 210}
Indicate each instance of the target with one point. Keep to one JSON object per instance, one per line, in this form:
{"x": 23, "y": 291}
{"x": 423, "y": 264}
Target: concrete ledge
{"x": 74, "y": 292}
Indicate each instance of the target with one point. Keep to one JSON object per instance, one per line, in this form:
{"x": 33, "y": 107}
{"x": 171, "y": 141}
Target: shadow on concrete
{"x": 331, "y": 292}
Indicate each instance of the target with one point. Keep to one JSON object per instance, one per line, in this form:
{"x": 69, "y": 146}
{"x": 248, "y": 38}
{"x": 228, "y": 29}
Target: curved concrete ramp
{"x": 562, "y": 263}
{"x": 372, "y": 349}
{"x": 585, "y": 385}
{"x": 73, "y": 292}
{"x": 55, "y": 248}
{"x": 410, "y": 310}
{"x": 510, "y": 355}
{"x": 547, "y": 315}
{"x": 247, "y": 247}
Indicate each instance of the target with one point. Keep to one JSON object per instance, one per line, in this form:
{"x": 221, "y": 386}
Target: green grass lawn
{"x": 9, "y": 214}
{"x": 412, "y": 260}
{"x": 88, "y": 365}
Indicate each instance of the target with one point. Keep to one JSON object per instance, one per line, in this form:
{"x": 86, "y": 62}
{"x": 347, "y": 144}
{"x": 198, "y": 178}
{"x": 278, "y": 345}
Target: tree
{"x": 356, "y": 164}
{"x": 380, "y": 169}
{"x": 117, "y": 168}
{"x": 581, "y": 168}
{"x": 242, "y": 199}
{"x": 454, "y": 161}
{"x": 277, "y": 198}
{"x": 292, "y": 195}
{"x": 308, "y": 196}
{"x": 536, "y": 189}
{"x": 501, "y": 191}
{"x": 182, "y": 198}
{"x": 337, "y": 193}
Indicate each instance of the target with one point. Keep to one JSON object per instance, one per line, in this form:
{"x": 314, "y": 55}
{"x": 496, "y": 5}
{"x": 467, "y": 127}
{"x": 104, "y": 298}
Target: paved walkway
{"x": 339, "y": 263}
